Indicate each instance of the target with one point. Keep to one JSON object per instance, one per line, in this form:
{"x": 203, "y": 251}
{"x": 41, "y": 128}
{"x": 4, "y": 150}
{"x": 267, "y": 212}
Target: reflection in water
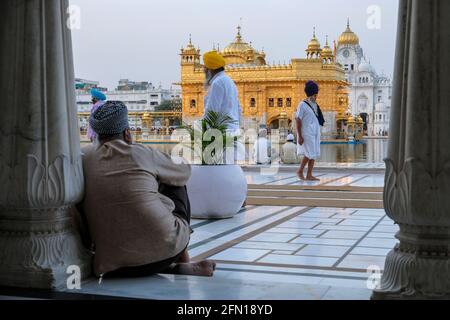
{"x": 370, "y": 151}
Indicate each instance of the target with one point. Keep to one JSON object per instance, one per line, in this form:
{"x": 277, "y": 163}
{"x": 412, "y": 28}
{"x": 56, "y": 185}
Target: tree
{"x": 170, "y": 105}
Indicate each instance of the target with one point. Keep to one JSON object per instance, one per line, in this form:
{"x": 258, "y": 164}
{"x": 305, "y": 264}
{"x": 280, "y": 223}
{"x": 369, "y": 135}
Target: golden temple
{"x": 269, "y": 94}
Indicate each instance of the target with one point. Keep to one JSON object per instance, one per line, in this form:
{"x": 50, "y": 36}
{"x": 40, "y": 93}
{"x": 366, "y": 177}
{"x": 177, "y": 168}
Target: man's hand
{"x": 301, "y": 141}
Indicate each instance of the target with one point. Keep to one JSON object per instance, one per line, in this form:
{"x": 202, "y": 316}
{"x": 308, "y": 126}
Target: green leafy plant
{"x": 212, "y": 121}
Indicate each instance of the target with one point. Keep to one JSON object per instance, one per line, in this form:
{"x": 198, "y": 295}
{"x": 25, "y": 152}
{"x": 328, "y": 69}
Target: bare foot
{"x": 300, "y": 175}
{"x": 203, "y": 268}
{"x": 184, "y": 257}
{"x": 312, "y": 178}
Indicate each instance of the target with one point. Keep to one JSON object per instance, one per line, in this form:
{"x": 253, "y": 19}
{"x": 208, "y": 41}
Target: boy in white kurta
{"x": 308, "y": 131}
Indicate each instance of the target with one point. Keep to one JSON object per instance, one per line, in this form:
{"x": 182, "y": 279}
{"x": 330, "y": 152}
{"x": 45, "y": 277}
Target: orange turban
{"x": 213, "y": 60}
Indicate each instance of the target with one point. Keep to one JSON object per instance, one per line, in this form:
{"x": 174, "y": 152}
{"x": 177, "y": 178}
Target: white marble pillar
{"x": 329, "y": 131}
{"x": 417, "y": 191}
{"x": 41, "y": 175}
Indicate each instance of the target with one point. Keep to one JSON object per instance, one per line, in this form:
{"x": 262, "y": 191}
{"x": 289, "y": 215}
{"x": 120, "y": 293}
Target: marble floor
{"x": 278, "y": 252}
{"x": 268, "y": 177}
{"x": 335, "y": 165}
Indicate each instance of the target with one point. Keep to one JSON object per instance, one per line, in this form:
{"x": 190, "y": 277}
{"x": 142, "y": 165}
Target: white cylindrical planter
{"x": 216, "y": 192}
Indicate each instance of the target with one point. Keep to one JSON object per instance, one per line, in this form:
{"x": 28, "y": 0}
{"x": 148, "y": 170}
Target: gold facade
{"x": 268, "y": 93}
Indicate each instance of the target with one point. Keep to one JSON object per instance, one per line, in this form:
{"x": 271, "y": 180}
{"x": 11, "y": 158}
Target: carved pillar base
{"x": 419, "y": 267}
{"x": 37, "y": 252}
{"x": 40, "y": 259}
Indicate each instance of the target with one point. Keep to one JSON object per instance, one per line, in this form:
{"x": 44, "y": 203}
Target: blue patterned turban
{"x": 110, "y": 119}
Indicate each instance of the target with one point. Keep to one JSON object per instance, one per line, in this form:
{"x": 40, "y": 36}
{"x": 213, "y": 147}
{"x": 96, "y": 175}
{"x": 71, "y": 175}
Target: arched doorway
{"x": 365, "y": 118}
{"x": 280, "y": 122}
{"x": 274, "y": 124}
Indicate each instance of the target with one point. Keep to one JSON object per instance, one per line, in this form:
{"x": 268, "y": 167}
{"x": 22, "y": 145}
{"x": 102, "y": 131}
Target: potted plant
{"x": 217, "y": 188}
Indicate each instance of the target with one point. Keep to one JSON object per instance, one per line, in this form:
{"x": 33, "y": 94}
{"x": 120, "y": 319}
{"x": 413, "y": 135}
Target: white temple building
{"x": 140, "y": 97}
{"x": 370, "y": 92}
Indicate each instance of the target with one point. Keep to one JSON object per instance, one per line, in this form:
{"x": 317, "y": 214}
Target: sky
{"x": 140, "y": 40}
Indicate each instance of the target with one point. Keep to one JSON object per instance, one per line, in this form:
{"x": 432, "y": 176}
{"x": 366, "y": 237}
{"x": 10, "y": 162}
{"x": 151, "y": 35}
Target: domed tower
{"x": 366, "y": 73}
{"x": 314, "y": 51}
{"x": 327, "y": 53}
{"x": 190, "y": 55}
{"x": 349, "y": 52}
{"x": 348, "y": 37}
{"x": 240, "y": 52}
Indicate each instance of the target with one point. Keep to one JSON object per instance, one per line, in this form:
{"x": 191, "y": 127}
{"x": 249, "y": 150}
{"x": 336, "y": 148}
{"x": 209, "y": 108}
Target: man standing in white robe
{"x": 222, "y": 96}
{"x": 262, "y": 149}
{"x": 308, "y": 131}
{"x": 222, "y": 93}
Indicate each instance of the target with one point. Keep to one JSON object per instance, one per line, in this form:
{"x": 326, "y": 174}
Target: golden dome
{"x": 314, "y": 51}
{"x": 340, "y": 115}
{"x": 327, "y": 51}
{"x": 238, "y": 46}
{"x": 348, "y": 37}
{"x": 190, "y": 45}
{"x": 190, "y": 49}
{"x": 350, "y": 119}
{"x": 314, "y": 44}
{"x": 359, "y": 120}
{"x": 146, "y": 116}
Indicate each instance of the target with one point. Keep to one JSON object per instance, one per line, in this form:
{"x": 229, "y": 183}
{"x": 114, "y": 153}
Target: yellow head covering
{"x": 213, "y": 60}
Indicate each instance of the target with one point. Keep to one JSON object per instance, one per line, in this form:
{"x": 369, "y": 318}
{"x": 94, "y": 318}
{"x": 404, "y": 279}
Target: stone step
{"x": 316, "y": 194}
{"x": 314, "y": 202}
{"x": 314, "y": 187}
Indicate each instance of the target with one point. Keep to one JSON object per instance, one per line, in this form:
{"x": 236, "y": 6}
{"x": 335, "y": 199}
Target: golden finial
{"x": 190, "y": 39}
{"x": 239, "y": 27}
{"x": 238, "y": 36}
